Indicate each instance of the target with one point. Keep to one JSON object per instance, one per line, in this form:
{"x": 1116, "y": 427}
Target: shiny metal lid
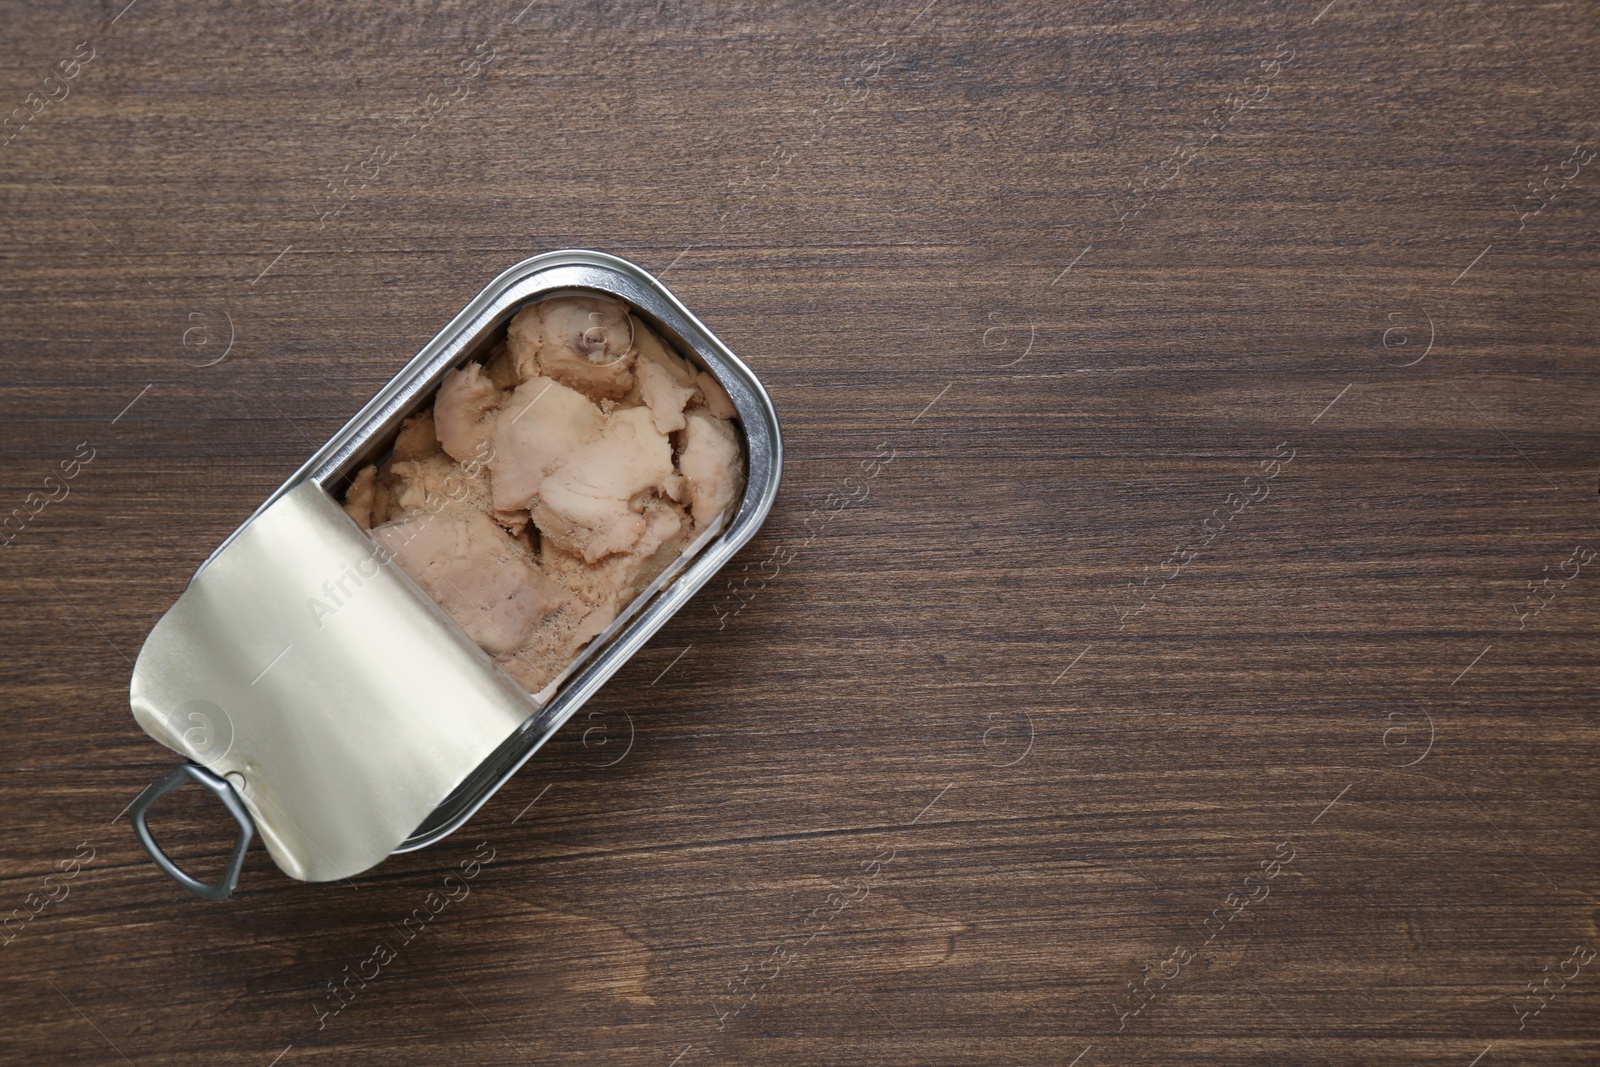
{"x": 336, "y": 696}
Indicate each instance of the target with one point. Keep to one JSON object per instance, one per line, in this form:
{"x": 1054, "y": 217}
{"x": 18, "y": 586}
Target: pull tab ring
{"x": 178, "y": 776}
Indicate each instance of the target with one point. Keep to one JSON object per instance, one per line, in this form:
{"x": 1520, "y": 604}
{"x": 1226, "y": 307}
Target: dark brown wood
{"x": 1014, "y": 732}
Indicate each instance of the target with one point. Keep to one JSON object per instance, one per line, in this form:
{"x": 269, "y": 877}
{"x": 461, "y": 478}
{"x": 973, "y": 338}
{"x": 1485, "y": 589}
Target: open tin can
{"x": 383, "y": 729}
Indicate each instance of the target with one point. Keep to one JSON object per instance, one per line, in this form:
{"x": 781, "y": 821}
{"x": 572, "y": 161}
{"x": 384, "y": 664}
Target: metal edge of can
{"x": 489, "y": 310}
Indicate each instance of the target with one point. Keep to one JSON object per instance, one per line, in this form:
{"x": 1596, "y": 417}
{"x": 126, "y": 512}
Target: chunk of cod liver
{"x": 473, "y": 569}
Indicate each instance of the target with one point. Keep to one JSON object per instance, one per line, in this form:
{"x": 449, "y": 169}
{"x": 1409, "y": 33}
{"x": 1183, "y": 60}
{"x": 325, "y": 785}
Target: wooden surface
{"x": 1012, "y": 732}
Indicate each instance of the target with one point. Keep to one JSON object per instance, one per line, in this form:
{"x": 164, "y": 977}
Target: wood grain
{"x": 1036, "y": 721}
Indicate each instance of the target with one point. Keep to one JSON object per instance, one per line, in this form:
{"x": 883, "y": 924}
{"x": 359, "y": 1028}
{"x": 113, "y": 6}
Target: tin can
{"x": 341, "y": 744}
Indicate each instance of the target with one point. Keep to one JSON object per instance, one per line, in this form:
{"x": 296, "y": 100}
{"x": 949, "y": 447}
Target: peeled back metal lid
{"x": 338, "y": 699}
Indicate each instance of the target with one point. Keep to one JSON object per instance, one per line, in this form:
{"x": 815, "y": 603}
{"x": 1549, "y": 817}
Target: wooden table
{"x": 1209, "y": 678}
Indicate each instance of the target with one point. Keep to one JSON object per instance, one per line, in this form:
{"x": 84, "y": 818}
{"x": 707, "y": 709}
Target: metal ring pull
{"x": 179, "y": 775}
